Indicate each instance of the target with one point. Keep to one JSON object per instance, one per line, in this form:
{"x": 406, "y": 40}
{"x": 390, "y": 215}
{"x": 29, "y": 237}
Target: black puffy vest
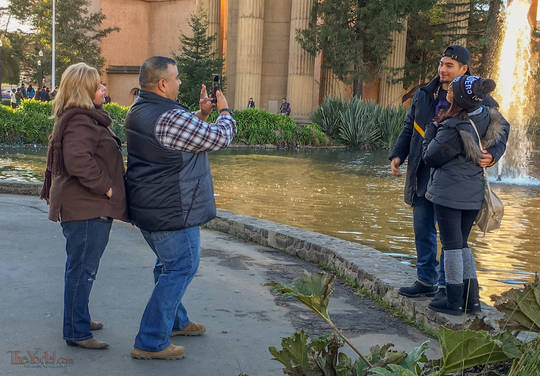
{"x": 167, "y": 189}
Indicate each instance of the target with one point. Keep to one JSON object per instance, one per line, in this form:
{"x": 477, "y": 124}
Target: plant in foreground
{"x": 461, "y": 349}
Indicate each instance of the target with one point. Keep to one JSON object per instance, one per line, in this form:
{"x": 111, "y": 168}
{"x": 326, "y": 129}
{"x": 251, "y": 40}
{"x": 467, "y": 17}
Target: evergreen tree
{"x": 78, "y": 33}
{"x": 354, "y": 35}
{"x": 430, "y": 34}
{"x": 10, "y": 65}
{"x": 197, "y": 61}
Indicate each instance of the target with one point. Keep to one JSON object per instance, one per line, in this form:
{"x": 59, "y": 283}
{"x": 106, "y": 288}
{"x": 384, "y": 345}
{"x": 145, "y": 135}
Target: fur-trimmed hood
{"x": 492, "y": 135}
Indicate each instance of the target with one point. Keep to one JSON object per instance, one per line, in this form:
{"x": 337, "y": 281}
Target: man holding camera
{"x": 170, "y": 195}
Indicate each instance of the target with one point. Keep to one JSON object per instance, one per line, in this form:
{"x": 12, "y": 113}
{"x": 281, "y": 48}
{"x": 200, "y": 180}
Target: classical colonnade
{"x": 245, "y": 54}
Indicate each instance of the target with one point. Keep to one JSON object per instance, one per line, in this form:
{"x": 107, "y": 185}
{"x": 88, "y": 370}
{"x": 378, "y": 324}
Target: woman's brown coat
{"x": 89, "y": 163}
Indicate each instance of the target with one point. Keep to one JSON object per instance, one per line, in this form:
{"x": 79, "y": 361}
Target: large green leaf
{"x": 325, "y": 357}
{"x": 521, "y": 308}
{"x": 294, "y": 350}
{"x": 318, "y": 357}
{"x": 313, "y": 290}
{"x": 468, "y": 348}
{"x": 415, "y": 357}
{"x": 392, "y": 370}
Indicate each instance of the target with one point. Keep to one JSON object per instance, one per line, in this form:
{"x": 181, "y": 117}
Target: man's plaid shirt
{"x": 179, "y": 129}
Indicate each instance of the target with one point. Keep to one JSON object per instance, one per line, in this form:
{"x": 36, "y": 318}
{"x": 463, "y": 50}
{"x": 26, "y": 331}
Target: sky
{"x": 13, "y": 24}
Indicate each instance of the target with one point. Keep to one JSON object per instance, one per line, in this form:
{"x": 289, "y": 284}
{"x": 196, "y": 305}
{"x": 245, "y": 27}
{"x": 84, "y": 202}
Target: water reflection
{"x": 350, "y": 195}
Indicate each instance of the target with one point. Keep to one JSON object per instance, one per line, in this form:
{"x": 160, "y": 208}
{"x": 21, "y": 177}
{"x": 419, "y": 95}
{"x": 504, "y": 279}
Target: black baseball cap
{"x": 459, "y": 53}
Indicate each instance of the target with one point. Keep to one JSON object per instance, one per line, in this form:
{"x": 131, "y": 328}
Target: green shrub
{"x": 260, "y": 127}
{"x": 360, "y": 125}
{"x": 30, "y": 106}
{"x": 313, "y": 135}
{"x": 328, "y": 116}
{"x": 32, "y": 123}
{"x": 391, "y": 123}
{"x": 29, "y": 123}
{"x": 8, "y": 132}
{"x": 118, "y": 114}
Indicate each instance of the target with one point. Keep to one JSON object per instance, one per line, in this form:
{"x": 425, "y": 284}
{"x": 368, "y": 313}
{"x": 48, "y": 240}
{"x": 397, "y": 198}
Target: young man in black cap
{"x": 427, "y": 103}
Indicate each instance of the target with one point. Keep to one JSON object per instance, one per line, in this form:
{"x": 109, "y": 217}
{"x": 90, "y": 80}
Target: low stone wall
{"x": 382, "y": 275}
{"x": 18, "y": 188}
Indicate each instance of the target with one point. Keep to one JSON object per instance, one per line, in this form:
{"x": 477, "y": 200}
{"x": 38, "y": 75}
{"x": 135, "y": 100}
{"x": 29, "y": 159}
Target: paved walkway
{"x": 242, "y": 317}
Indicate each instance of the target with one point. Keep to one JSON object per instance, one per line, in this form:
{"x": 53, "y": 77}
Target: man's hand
{"x": 221, "y": 101}
{"x": 394, "y": 165}
{"x": 486, "y": 159}
{"x": 109, "y": 193}
{"x": 205, "y": 104}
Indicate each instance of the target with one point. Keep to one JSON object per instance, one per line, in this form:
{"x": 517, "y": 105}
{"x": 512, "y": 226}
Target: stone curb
{"x": 380, "y": 274}
{"x": 20, "y": 188}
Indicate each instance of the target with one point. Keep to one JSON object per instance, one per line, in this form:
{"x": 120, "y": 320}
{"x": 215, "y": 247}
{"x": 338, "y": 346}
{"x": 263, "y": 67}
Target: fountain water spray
{"x": 512, "y": 93}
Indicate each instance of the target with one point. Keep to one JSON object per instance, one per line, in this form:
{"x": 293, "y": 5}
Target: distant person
{"x": 54, "y": 92}
{"x": 18, "y": 97}
{"x": 456, "y": 185}
{"x": 428, "y": 102}
{"x": 45, "y": 94}
{"x": 251, "y": 103}
{"x": 84, "y": 186}
{"x": 23, "y": 91}
{"x": 31, "y": 92}
{"x": 285, "y": 108}
{"x": 37, "y": 97}
{"x": 134, "y": 94}
{"x": 13, "y": 98}
{"x": 44, "y": 97}
{"x": 107, "y": 97}
{"x": 170, "y": 190}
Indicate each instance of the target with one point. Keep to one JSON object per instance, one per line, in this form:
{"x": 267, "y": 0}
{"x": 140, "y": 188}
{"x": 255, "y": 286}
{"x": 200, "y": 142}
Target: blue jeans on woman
{"x": 178, "y": 254}
{"x": 85, "y": 242}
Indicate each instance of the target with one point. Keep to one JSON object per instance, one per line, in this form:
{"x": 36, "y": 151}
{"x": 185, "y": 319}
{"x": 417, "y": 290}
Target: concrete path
{"x": 242, "y": 317}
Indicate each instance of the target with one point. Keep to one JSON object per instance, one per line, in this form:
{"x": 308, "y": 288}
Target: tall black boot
{"x": 471, "y": 296}
{"x": 453, "y": 304}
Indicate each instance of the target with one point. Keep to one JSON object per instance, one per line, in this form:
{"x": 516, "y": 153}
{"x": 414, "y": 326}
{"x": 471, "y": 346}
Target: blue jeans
{"x": 425, "y": 236}
{"x": 85, "y": 242}
{"x": 178, "y": 254}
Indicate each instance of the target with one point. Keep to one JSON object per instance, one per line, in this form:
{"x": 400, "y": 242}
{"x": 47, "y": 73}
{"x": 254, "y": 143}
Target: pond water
{"x": 350, "y": 195}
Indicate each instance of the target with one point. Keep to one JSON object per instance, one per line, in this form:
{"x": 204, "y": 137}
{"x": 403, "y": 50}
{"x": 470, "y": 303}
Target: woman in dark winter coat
{"x": 84, "y": 186}
{"x": 456, "y": 186}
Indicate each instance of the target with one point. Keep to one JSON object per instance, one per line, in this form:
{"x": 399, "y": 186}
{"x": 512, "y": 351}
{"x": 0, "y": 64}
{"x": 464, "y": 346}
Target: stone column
{"x": 390, "y": 94}
{"x": 212, "y": 9}
{"x": 331, "y": 85}
{"x": 301, "y": 63}
{"x": 457, "y": 18}
{"x": 249, "y": 52}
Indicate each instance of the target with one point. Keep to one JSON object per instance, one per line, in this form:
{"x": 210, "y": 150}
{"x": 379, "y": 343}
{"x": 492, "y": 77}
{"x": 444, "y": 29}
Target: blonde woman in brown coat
{"x": 84, "y": 186}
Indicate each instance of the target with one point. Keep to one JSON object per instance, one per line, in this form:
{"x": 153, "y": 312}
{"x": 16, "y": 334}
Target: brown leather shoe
{"x": 192, "y": 329}
{"x": 95, "y": 325}
{"x": 170, "y": 353}
{"x": 90, "y": 343}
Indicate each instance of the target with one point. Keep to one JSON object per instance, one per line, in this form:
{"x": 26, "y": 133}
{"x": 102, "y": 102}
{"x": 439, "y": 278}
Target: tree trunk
{"x": 357, "y": 88}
